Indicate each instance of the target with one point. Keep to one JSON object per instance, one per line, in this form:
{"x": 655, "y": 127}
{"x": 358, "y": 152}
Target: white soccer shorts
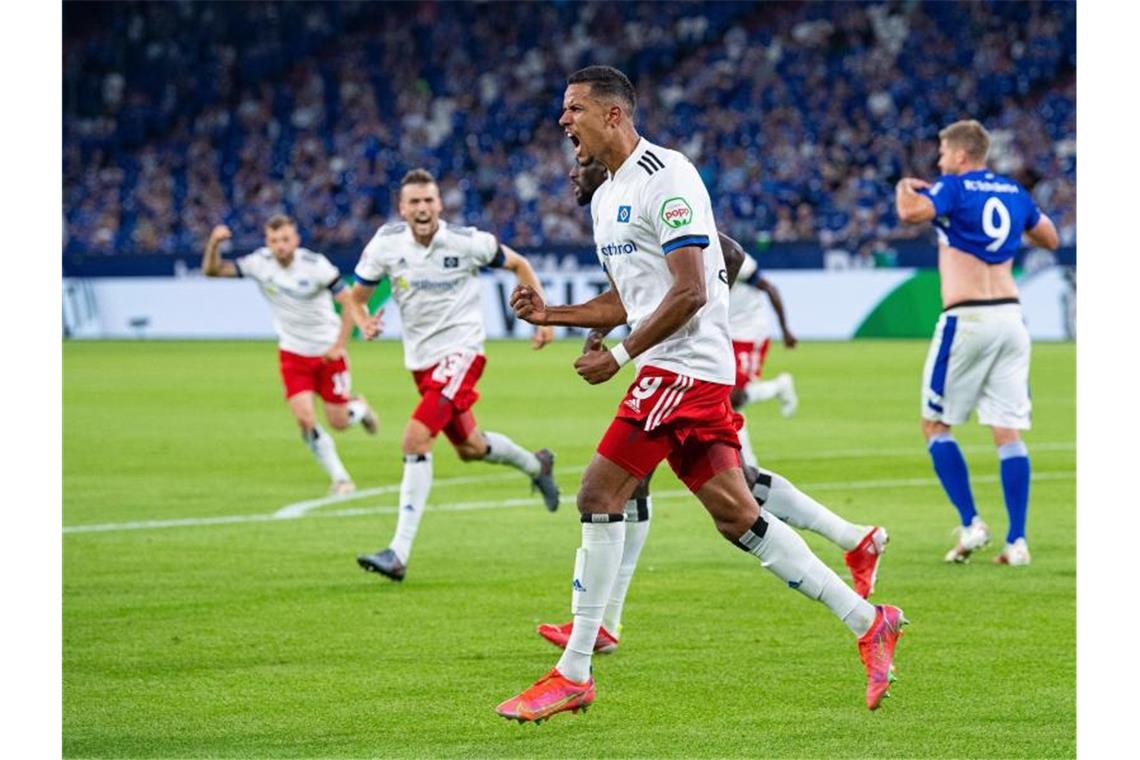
{"x": 978, "y": 359}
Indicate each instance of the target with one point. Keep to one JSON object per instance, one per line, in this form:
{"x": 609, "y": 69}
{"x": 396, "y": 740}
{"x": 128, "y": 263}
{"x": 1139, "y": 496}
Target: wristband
{"x": 620, "y": 355}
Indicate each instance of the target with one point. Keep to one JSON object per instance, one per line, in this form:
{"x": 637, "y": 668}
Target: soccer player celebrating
{"x": 979, "y": 357}
{"x": 748, "y": 328}
{"x": 657, "y": 240}
{"x": 300, "y": 286}
{"x": 434, "y": 268}
{"x": 863, "y": 545}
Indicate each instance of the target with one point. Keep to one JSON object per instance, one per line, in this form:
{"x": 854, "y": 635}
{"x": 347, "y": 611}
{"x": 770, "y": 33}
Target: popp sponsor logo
{"x": 676, "y": 212}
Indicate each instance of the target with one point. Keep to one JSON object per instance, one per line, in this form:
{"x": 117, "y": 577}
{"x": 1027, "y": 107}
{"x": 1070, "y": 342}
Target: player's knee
{"x": 1003, "y": 436}
{"x": 593, "y": 499}
{"x": 417, "y": 439}
{"x": 339, "y": 422}
{"x": 931, "y": 428}
{"x": 470, "y": 452}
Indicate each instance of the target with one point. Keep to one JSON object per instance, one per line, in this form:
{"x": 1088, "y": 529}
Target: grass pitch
{"x": 235, "y": 634}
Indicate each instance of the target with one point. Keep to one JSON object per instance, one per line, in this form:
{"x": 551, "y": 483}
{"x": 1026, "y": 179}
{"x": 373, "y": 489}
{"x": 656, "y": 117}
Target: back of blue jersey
{"x": 982, "y": 213}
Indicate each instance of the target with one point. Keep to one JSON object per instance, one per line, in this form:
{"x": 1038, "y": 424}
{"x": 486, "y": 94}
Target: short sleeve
{"x": 330, "y": 275}
{"x": 482, "y": 248}
{"x": 248, "y": 266}
{"x": 943, "y": 193}
{"x": 370, "y": 270}
{"x": 1034, "y": 214}
{"x": 749, "y": 271}
{"x": 675, "y": 202}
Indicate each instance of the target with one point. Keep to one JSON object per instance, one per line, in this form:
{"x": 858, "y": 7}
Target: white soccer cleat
{"x": 787, "y": 394}
{"x": 972, "y": 537}
{"x": 1014, "y": 555}
{"x": 342, "y": 487}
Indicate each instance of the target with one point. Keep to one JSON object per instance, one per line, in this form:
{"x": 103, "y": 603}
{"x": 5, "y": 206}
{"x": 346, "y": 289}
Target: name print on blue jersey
{"x": 982, "y": 213}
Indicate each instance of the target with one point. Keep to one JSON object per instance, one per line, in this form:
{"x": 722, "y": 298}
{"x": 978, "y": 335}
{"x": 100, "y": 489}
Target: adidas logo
{"x": 409, "y": 508}
{"x": 577, "y": 586}
{"x": 795, "y": 584}
{"x": 634, "y": 404}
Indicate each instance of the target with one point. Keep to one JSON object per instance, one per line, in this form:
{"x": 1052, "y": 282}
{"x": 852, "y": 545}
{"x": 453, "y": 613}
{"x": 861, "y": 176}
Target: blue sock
{"x": 951, "y": 468}
{"x": 1015, "y": 485}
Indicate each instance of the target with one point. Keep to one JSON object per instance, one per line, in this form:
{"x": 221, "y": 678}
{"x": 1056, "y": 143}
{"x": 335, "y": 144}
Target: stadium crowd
{"x": 800, "y": 116}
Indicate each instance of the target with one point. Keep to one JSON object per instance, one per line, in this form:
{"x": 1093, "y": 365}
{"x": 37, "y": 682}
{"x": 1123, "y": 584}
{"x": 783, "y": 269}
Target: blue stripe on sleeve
{"x": 701, "y": 241}
{"x": 365, "y": 280}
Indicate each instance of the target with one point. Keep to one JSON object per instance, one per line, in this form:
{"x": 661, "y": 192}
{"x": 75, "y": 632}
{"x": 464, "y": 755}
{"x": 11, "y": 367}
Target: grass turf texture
{"x": 265, "y": 639}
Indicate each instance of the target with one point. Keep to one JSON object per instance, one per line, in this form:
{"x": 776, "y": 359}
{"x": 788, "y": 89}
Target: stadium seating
{"x": 800, "y": 116}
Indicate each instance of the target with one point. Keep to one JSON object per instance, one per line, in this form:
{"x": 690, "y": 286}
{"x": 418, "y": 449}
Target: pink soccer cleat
{"x": 877, "y": 651}
{"x": 863, "y": 560}
{"x": 551, "y": 694}
{"x": 559, "y": 636}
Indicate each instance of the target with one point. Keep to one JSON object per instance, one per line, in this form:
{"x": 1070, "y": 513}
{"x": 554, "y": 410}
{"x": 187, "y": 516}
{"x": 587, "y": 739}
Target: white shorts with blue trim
{"x": 979, "y": 359}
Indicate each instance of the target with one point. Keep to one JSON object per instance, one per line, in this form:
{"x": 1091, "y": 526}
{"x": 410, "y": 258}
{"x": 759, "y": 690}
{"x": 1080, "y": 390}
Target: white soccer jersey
{"x": 654, "y": 204}
{"x": 436, "y": 288}
{"x": 300, "y": 296}
{"x": 747, "y": 310}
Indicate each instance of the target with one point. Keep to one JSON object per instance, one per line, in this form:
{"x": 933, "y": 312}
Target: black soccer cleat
{"x": 544, "y": 481}
{"x": 384, "y": 562}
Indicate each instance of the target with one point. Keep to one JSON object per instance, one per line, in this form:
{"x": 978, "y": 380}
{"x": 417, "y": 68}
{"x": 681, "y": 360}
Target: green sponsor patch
{"x": 676, "y": 212}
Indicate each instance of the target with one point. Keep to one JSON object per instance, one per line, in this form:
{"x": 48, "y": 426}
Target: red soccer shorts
{"x": 750, "y": 358}
{"x": 447, "y": 393}
{"x": 676, "y": 417}
{"x": 329, "y": 379}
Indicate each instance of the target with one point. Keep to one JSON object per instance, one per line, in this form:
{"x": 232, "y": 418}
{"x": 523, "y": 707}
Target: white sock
{"x": 503, "y": 450}
{"x": 595, "y": 568}
{"x": 356, "y": 411}
{"x": 414, "y": 490}
{"x": 323, "y": 448}
{"x": 796, "y": 508}
{"x": 785, "y": 554}
{"x": 637, "y": 519}
{"x": 761, "y": 390}
{"x": 746, "y": 452}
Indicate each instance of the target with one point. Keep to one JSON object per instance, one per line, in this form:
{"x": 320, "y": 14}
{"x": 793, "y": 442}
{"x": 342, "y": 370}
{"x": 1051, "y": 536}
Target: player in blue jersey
{"x": 979, "y": 357}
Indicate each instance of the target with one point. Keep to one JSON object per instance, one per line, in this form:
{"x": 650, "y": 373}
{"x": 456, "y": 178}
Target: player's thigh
{"x": 465, "y": 436}
{"x": 728, "y": 501}
{"x": 1005, "y": 401}
{"x": 606, "y": 487}
{"x": 955, "y": 370}
{"x": 303, "y": 407}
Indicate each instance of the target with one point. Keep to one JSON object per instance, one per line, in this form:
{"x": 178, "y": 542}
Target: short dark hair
{"x": 277, "y": 221}
{"x": 418, "y": 177}
{"x": 607, "y": 82}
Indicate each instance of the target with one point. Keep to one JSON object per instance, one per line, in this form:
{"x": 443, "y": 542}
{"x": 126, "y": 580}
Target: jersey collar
{"x": 631, "y": 159}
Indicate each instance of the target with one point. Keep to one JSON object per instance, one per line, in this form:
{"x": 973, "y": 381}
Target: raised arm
{"x": 911, "y": 206}
{"x": 778, "y": 306}
{"x": 213, "y": 265}
{"x": 1044, "y": 234}
{"x": 685, "y": 297}
{"x": 524, "y": 272}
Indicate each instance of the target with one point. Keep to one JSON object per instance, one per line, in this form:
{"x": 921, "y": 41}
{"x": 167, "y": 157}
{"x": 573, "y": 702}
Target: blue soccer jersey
{"x": 982, "y": 213}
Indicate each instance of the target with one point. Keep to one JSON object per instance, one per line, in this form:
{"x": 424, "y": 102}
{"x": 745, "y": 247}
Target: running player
{"x": 979, "y": 357}
{"x": 748, "y": 328}
{"x": 434, "y": 270}
{"x": 863, "y": 545}
{"x": 656, "y": 239}
{"x": 300, "y": 286}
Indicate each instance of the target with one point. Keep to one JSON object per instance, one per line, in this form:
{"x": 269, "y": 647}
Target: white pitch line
{"x": 301, "y": 508}
{"x": 471, "y": 506}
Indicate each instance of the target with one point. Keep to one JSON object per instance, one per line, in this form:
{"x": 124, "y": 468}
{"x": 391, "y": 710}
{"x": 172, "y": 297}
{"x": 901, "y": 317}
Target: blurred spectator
{"x": 800, "y": 116}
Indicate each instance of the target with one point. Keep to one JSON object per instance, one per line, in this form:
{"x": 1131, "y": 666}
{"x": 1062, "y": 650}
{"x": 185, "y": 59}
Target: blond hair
{"x": 418, "y": 177}
{"x": 970, "y": 136}
{"x": 277, "y": 221}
